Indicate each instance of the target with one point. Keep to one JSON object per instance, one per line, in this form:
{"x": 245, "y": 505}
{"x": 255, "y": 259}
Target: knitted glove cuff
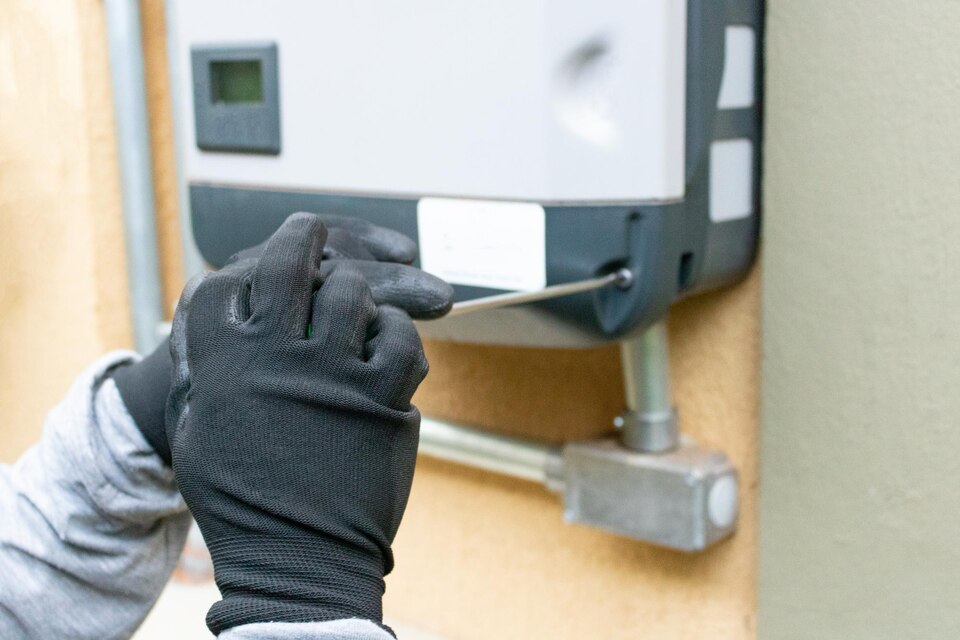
{"x": 284, "y": 579}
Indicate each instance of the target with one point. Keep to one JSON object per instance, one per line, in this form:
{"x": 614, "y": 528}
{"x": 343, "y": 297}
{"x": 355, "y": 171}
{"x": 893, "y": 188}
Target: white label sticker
{"x": 483, "y": 243}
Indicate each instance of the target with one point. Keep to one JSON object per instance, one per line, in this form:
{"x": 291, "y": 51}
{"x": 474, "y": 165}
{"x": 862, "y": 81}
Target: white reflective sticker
{"x": 739, "y": 68}
{"x": 483, "y": 243}
{"x": 731, "y": 179}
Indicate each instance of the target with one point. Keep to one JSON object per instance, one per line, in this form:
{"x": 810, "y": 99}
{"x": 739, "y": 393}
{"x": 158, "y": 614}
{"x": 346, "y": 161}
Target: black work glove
{"x": 381, "y": 255}
{"x": 293, "y": 437}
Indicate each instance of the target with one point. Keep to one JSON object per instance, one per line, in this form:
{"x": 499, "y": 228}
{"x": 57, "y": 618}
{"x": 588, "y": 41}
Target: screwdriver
{"x": 623, "y": 278}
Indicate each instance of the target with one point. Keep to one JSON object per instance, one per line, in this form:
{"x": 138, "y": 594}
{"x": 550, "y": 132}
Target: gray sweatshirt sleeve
{"x": 352, "y": 629}
{"x": 91, "y": 526}
{"x": 91, "y": 523}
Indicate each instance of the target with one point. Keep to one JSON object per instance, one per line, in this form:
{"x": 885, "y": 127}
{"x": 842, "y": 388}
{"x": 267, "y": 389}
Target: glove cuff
{"x": 144, "y": 387}
{"x": 283, "y": 579}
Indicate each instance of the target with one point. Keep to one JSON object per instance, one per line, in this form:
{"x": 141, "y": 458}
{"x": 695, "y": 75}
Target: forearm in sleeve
{"x": 91, "y": 522}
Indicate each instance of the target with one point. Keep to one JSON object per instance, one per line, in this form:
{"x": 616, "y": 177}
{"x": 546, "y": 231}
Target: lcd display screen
{"x": 236, "y": 81}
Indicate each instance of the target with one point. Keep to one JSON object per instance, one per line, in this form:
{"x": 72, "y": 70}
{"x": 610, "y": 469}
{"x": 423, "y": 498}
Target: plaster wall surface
{"x": 63, "y": 298}
{"x": 861, "y": 369}
{"x": 478, "y": 556}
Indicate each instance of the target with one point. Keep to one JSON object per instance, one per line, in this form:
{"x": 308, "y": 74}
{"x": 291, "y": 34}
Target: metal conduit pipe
{"x": 650, "y": 421}
{"x": 136, "y": 170}
{"x": 649, "y": 424}
{"x": 499, "y": 454}
{"x": 683, "y": 499}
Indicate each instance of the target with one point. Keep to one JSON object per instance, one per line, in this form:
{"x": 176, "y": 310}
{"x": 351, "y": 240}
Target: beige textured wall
{"x": 63, "y": 294}
{"x": 478, "y": 556}
{"x": 63, "y": 286}
{"x": 860, "y": 505}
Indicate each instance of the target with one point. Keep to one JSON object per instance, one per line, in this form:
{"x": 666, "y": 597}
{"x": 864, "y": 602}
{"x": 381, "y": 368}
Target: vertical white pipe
{"x": 136, "y": 171}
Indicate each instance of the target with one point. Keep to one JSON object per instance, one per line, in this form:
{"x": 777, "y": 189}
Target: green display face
{"x": 236, "y": 81}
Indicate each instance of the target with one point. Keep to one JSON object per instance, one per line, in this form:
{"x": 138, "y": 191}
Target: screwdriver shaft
{"x": 622, "y": 278}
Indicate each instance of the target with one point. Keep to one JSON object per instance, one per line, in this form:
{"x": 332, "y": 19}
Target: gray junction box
{"x": 523, "y": 143}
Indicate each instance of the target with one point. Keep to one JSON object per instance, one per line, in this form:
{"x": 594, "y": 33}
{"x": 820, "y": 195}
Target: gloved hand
{"x": 293, "y": 437}
{"x": 381, "y": 255}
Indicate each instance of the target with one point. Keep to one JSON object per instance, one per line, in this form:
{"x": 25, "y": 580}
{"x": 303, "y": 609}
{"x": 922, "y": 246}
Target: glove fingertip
{"x": 438, "y": 301}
